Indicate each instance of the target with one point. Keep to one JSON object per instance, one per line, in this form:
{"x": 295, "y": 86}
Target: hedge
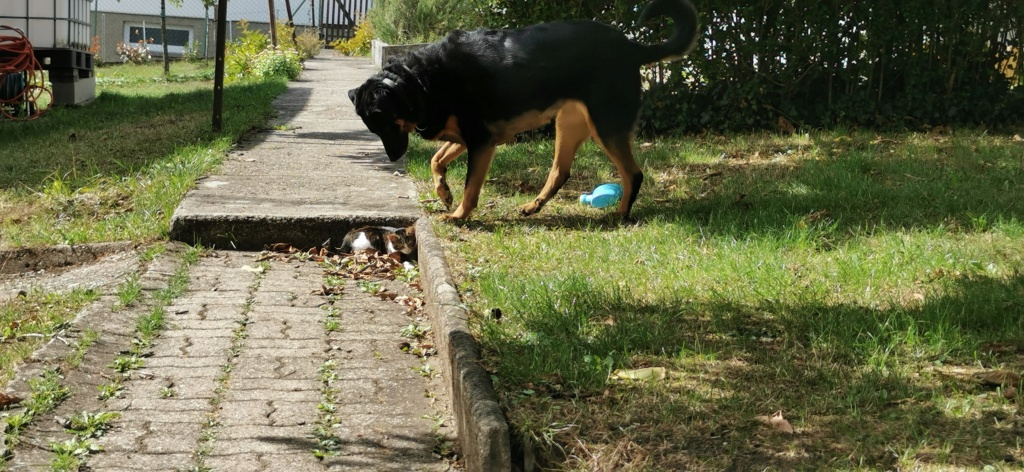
{"x": 876, "y": 63}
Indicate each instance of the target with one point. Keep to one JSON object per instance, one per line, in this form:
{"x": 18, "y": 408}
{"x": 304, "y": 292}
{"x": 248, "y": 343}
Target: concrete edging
{"x": 381, "y": 51}
{"x": 482, "y": 428}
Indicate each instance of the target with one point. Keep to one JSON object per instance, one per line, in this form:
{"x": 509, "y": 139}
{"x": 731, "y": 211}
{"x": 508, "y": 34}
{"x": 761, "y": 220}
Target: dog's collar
{"x": 389, "y": 82}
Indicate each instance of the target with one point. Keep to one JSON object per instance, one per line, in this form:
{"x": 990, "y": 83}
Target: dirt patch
{"x": 64, "y": 268}
{"x": 26, "y": 260}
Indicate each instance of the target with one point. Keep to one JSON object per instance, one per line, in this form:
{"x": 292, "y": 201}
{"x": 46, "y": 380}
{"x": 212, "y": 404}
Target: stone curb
{"x": 483, "y": 431}
{"x": 15, "y": 261}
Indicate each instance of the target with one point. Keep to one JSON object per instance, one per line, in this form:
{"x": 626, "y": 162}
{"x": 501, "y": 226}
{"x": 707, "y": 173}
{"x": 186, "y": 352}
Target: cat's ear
{"x": 411, "y": 230}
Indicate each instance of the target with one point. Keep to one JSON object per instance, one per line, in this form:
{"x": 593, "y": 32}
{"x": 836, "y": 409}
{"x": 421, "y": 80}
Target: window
{"x": 178, "y": 39}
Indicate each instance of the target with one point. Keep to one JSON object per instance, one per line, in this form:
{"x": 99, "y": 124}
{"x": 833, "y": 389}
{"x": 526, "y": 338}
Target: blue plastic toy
{"x": 604, "y": 196}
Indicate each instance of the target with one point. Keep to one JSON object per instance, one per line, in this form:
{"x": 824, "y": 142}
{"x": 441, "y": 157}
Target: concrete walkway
{"x": 314, "y": 174}
{"x": 254, "y": 370}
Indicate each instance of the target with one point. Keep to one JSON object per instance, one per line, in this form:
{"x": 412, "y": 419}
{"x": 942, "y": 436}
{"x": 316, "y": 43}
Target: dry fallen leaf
{"x": 647, "y": 373}
{"x": 281, "y": 247}
{"x": 1010, "y": 393}
{"x": 8, "y": 400}
{"x": 998, "y": 378}
{"x": 776, "y": 421}
{"x": 255, "y": 270}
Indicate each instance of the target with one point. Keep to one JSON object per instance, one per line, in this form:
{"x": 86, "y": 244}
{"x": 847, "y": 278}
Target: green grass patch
{"x": 116, "y": 168}
{"x": 855, "y": 282}
{"x": 28, "y": 322}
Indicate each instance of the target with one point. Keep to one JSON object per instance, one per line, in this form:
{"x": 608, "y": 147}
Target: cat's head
{"x": 404, "y": 240}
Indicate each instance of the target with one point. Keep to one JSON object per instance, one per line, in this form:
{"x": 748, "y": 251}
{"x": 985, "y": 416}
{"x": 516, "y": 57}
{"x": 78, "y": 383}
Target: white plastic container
{"x": 50, "y": 23}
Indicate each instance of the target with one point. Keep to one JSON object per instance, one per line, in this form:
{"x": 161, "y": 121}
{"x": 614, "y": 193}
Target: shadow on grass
{"x": 118, "y": 134}
{"x": 864, "y": 386}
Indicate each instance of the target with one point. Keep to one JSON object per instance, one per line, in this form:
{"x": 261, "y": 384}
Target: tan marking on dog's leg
{"x": 479, "y": 164}
{"x": 571, "y": 130}
{"x": 620, "y": 150}
{"x": 439, "y": 169}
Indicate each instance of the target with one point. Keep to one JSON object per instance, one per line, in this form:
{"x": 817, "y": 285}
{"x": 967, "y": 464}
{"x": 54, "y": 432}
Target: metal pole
{"x": 218, "y": 68}
{"x": 163, "y": 36}
{"x": 206, "y": 33}
{"x": 291, "y": 21}
{"x": 273, "y": 25}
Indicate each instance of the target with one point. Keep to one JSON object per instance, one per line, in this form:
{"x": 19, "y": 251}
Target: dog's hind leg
{"x": 571, "y": 130}
{"x": 476, "y": 173}
{"x": 619, "y": 149}
{"x": 613, "y": 110}
{"x": 439, "y": 169}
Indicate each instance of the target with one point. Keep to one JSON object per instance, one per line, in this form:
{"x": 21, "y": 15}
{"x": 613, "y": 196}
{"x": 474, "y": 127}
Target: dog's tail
{"x": 684, "y": 34}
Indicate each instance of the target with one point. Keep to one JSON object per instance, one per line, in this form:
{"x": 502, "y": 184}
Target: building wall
{"x": 110, "y": 28}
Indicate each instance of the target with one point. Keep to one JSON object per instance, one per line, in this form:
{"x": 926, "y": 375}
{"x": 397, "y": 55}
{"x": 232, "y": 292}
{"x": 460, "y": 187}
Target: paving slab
{"x": 313, "y": 176}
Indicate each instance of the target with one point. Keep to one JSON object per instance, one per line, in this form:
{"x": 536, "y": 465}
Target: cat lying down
{"x": 383, "y": 239}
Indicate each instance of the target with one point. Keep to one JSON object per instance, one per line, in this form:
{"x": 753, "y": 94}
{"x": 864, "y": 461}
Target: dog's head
{"x": 385, "y": 105}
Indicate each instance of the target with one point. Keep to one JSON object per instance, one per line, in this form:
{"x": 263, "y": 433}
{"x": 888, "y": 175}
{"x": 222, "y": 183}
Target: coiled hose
{"x": 22, "y": 83}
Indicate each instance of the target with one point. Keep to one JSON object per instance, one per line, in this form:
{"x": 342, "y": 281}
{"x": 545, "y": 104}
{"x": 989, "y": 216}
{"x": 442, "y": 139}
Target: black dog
{"x": 480, "y": 88}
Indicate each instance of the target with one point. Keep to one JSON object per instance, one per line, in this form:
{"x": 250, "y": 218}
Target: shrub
{"x": 411, "y": 21}
{"x": 308, "y": 43}
{"x": 882, "y": 64}
{"x": 358, "y": 44}
{"x": 192, "y": 52}
{"x": 241, "y": 53}
{"x": 136, "y": 54}
{"x": 277, "y": 63}
{"x": 94, "y": 46}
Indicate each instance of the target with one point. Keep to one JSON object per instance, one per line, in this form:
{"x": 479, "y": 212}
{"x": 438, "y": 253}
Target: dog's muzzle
{"x": 396, "y": 143}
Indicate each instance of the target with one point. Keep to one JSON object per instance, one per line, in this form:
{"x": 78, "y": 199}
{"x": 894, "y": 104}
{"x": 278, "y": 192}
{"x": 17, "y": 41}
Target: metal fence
{"x": 339, "y": 18}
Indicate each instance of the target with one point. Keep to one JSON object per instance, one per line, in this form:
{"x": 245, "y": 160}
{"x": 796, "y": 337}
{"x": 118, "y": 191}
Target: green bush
{"x": 277, "y": 63}
{"x": 306, "y": 42}
{"x": 241, "y": 53}
{"x": 414, "y": 21}
{"x": 358, "y": 44}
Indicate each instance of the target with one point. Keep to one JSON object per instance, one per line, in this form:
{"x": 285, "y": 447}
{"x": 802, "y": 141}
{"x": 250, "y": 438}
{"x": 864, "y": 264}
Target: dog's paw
{"x": 451, "y": 218}
{"x": 530, "y": 208}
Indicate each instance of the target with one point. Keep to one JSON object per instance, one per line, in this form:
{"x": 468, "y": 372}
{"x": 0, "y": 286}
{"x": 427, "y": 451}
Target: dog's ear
{"x": 352, "y": 95}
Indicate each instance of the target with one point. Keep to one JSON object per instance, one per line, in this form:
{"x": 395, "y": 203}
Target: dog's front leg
{"x": 439, "y": 169}
{"x": 571, "y": 130}
{"x": 476, "y": 173}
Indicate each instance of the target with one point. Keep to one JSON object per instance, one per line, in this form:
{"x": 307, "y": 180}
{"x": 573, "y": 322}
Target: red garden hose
{"x": 18, "y": 66}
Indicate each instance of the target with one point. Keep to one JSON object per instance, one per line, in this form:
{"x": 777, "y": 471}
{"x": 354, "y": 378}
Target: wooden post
{"x": 218, "y": 69}
{"x": 273, "y": 25}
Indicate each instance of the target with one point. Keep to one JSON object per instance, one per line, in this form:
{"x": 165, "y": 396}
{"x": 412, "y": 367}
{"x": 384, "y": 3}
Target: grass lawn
{"x": 856, "y": 283}
{"x": 116, "y": 168}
